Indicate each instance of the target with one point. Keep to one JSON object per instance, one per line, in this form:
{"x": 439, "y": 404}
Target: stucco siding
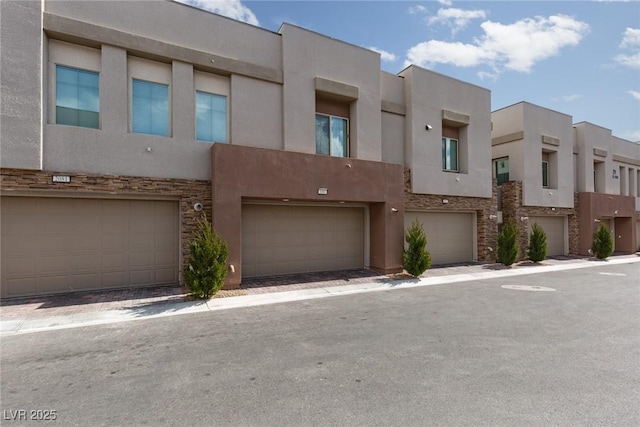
{"x": 21, "y": 84}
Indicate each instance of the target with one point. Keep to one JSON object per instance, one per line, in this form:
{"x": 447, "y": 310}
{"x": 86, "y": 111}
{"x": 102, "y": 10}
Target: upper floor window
{"x": 545, "y": 174}
{"x": 332, "y": 135}
{"x": 450, "y": 154}
{"x": 150, "y": 108}
{"x": 211, "y": 117}
{"x": 77, "y": 97}
{"x": 502, "y": 170}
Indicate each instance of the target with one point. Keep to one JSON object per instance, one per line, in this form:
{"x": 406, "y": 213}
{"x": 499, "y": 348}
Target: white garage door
{"x": 449, "y": 235}
{"x": 553, "y": 226}
{"x": 54, "y": 245}
{"x": 295, "y": 239}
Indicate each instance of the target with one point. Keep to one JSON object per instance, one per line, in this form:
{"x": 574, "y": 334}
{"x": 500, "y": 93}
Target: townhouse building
{"x": 607, "y": 175}
{"x": 120, "y": 130}
{"x": 565, "y": 177}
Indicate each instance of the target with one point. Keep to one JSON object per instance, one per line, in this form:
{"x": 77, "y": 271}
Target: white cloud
{"x": 384, "y": 55}
{"x": 632, "y": 135}
{"x": 630, "y": 38}
{"x": 457, "y": 19}
{"x": 445, "y": 2}
{"x": 568, "y": 98}
{"x": 630, "y": 42}
{"x": 230, "y": 8}
{"x": 417, "y": 9}
{"x": 635, "y": 94}
{"x": 517, "y": 46}
{"x": 632, "y": 61}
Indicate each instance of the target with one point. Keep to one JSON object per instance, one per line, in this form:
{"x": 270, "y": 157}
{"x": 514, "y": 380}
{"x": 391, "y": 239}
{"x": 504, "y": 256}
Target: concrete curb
{"x": 25, "y": 326}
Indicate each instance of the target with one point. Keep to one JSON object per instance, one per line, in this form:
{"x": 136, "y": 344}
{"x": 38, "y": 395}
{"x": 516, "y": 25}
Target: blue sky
{"x": 581, "y": 58}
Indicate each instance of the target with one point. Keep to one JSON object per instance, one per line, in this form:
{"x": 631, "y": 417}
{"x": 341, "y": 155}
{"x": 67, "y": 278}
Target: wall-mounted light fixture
{"x": 148, "y": 149}
{"x": 445, "y": 201}
{"x": 596, "y": 220}
{"x": 553, "y": 209}
{"x": 348, "y": 165}
{"x": 492, "y": 216}
{"x": 615, "y": 212}
{"x": 524, "y": 218}
{"x": 428, "y": 127}
{"x": 394, "y": 210}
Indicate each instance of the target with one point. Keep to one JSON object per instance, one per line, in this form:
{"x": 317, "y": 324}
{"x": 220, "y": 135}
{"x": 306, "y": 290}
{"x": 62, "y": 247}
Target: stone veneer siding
{"x": 484, "y": 207}
{"x": 512, "y": 208}
{"x": 187, "y": 192}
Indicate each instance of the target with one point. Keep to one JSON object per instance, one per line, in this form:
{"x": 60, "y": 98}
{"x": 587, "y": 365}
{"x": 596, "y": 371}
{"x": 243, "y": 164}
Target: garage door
{"x": 449, "y": 235}
{"x": 554, "y": 227}
{"x": 295, "y": 239}
{"x": 64, "y": 244}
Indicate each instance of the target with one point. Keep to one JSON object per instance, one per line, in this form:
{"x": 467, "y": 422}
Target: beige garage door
{"x": 296, "y": 239}
{"x": 554, "y": 227}
{"x": 63, "y": 244}
{"x": 449, "y": 235}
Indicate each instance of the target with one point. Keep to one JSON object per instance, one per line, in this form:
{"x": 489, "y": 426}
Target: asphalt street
{"x": 485, "y": 353}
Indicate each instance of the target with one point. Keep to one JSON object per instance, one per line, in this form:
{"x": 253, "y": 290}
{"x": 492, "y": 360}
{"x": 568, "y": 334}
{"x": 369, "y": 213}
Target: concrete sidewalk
{"x": 26, "y": 315}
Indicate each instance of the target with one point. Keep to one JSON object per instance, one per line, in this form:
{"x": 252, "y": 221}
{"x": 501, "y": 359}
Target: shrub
{"x": 416, "y": 257}
{"x": 537, "y": 250}
{"x": 206, "y": 267}
{"x": 508, "y": 243}
{"x": 602, "y": 244}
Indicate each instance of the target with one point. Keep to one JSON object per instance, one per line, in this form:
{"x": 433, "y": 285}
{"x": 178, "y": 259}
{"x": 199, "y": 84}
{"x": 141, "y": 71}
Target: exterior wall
{"x": 514, "y": 209}
{"x": 215, "y": 48}
{"x": 307, "y": 56}
{"x": 252, "y": 173}
{"x": 393, "y": 139}
{"x": 596, "y": 144}
{"x": 542, "y": 131}
{"x": 540, "y": 123}
{"x": 428, "y": 95}
{"x": 207, "y": 32}
{"x": 596, "y": 208}
{"x": 485, "y": 209}
{"x": 20, "y": 84}
{"x": 393, "y": 125}
{"x": 21, "y": 182}
{"x": 256, "y": 113}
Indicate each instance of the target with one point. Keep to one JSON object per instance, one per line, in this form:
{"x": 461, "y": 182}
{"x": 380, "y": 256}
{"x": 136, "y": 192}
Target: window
{"x": 332, "y": 135}
{"x": 150, "y": 108}
{"x": 450, "y": 154}
{"x": 77, "y": 97}
{"x": 545, "y": 174}
{"x": 502, "y": 170}
{"x": 211, "y": 117}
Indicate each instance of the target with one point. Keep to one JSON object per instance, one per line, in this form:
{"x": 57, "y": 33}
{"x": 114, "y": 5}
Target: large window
{"x": 545, "y": 174}
{"x": 211, "y": 117}
{"x": 450, "y": 154}
{"x": 77, "y": 97}
{"x": 150, "y": 108}
{"x": 332, "y": 135}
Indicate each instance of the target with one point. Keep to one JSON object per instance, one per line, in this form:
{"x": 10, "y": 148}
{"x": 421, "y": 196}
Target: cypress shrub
{"x": 416, "y": 257}
{"x": 537, "y": 250}
{"x": 508, "y": 243}
{"x": 206, "y": 267}
{"x": 602, "y": 244}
